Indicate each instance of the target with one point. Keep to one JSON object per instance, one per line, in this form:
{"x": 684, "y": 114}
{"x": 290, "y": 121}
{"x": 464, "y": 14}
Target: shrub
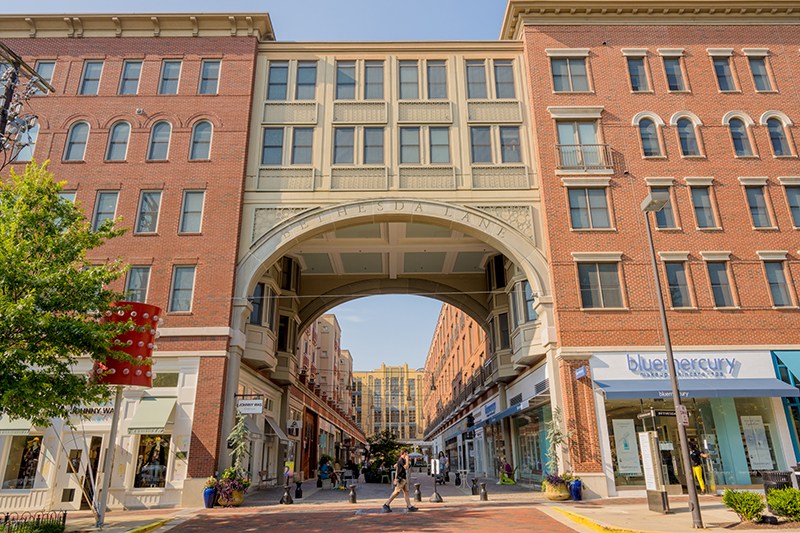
{"x": 747, "y": 505}
{"x": 785, "y": 502}
{"x": 50, "y": 527}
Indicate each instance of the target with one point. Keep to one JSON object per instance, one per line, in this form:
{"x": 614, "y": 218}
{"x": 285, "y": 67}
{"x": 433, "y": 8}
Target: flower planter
{"x": 209, "y": 495}
{"x": 576, "y": 489}
{"x": 235, "y": 501}
{"x": 556, "y": 492}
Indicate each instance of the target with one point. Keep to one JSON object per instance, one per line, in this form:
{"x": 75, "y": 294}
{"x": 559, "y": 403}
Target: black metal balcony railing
{"x": 584, "y": 157}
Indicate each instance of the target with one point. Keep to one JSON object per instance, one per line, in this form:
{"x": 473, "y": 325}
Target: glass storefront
{"x": 787, "y": 366}
{"x": 23, "y": 459}
{"x": 151, "y": 462}
{"x": 495, "y": 447}
{"x": 532, "y": 443}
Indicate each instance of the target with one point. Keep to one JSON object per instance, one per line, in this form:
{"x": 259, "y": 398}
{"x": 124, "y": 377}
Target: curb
{"x": 597, "y": 526}
{"x": 151, "y": 527}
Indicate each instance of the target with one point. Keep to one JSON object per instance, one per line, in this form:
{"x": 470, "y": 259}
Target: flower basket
{"x": 232, "y": 488}
{"x": 556, "y": 492}
{"x": 234, "y": 500}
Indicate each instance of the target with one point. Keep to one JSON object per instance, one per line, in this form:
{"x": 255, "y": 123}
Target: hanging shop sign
{"x": 251, "y": 407}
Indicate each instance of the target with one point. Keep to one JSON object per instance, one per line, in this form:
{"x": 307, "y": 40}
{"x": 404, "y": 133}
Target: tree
{"x": 51, "y": 297}
{"x": 383, "y": 446}
{"x": 239, "y": 439}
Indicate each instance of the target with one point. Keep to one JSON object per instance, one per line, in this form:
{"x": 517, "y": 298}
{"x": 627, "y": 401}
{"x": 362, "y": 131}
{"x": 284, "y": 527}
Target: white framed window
{"x": 724, "y": 74}
{"x": 649, "y": 135}
{"x": 437, "y": 80}
{"x": 306, "y": 88}
{"x": 703, "y": 207}
{"x": 117, "y": 149}
{"x": 147, "y": 214}
{"x": 137, "y": 283}
{"x": 637, "y": 73}
{"x": 481, "y": 144}
{"x": 588, "y": 207}
{"x": 687, "y": 126}
{"x": 90, "y": 78}
{"x": 324, "y": 353}
{"x": 721, "y": 289}
{"x": 129, "y": 79}
{"x": 504, "y": 79}
{"x": 778, "y": 284}
{"x": 409, "y": 80}
{"x": 777, "y": 124}
{"x": 77, "y": 139}
{"x": 209, "y": 77}
{"x": 761, "y": 75}
{"x": 476, "y": 80}
{"x": 373, "y": 80}
{"x": 409, "y": 145}
{"x": 793, "y": 199}
{"x": 30, "y": 136}
{"x": 510, "y": 149}
{"x": 201, "y": 140}
{"x": 44, "y": 69}
{"x": 272, "y": 148}
{"x": 180, "y": 298}
{"x": 192, "y": 212}
{"x": 160, "y": 134}
{"x": 665, "y": 217}
{"x": 600, "y": 285}
{"x": 373, "y": 146}
{"x": 67, "y": 195}
{"x": 105, "y": 208}
{"x": 570, "y": 74}
{"x": 302, "y": 139}
{"x": 678, "y": 284}
{"x": 346, "y": 80}
{"x": 440, "y": 145}
{"x": 757, "y": 203}
{"x": 278, "y": 80}
{"x": 170, "y": 76}
{"x": 673, "y": 69}
{"x": 343, "y": 146}
{"x": 740, "y": 138}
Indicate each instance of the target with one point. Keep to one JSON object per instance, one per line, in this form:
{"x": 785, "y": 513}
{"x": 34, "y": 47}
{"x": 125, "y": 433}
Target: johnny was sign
{"x": 648, "y": 366}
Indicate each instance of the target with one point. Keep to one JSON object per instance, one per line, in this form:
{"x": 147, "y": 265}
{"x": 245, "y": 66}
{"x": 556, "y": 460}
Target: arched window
{"x": 201, "y": 141}
{"x": 118, "y": 142}
{"x": 159, "y": 141}
{"x": 777, "y": 135}
{"x": 26, "y": 153}
{"x": 688, "y": 137}
{"x": 741, "y": 140}
{"x": 649, "y": 132}
{"x": 76, "y": 142}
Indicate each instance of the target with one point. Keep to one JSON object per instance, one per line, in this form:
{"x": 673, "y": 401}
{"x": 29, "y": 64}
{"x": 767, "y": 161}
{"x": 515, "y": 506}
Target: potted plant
{"x": 575, "y": 486}
{"x": 234, "y": 482}
{"x": 555, "y": 485}
{"x": 210, "y": 492}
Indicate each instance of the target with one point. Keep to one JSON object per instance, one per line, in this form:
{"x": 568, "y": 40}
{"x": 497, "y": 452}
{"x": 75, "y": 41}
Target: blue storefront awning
{"x": 640, "y": 389}
{"x": 791, "y": 360}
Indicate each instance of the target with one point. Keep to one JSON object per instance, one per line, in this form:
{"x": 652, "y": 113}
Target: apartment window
{"x": 129, "y": 81}
{"x": 569, "y": 75}
{"x": 44, "y": 69}
{"x": 343, "y": 143}
{"x": 345, "y": 81}
{"x": 209, "y": 77}
{"x": 599, "y": 284}
{"x": 741, "y": 140}
{"x": 90, "y": 82}
{"x": 26, "y": 152}
{"x": 476, "y": 79}
{"x": 201, "y": 141}
{"x": 649, "y": 134}
{"x": 301, "y": 146}
{"x": 437, "y": 80}
{"x": 481, "y": 144}
{"x": 147, "y": 218}
{"x": 758, "y": 207}
{"x": 409, "y": 145}
{"x": 118, "y": 142}
{"x": 678, "y": 285}
{"x": 182, "y": 289}
{"x": 306, "y": 81}
{"x": 136, "y": 286}
{"x": 440, "y": 145}
{"x": 688, "y": 138}
{"x": 672, "y": 67}
{"x": 105, "y": 209}
{"x": 778, "y": 287}
{"x": 758, "y": 66}
{"x": 192, "y": 214}
{"x": 257, "y": 314}
{"x": 578, "y": 146}
{"x": 701, "y": 198}
{"x": 272, "y": 150}
{"x": 588, "y": 208}
{"x": 324, "y": 353}
{"x": 170, "y": 75}
{"x": 373, "y": 80}
{"x": 530, "y": 302}
{"x": 278, "y": 78}
{"x": 76, "y": 142}
{"x": 159, "y": 141}
{"x": 510, "y": 145}
{"x": 409, "y": 80}
{"x": 720, "y": 285}
{"x": 722, "y": 69}
{"x": 67, "y": 195}
{"x": 638, "y": 74}
{"x": 665, "y": 218}
{"x": 777, "y": 136}
{"x": 793, "y": 197}
{"x": 504, "y": 79}
{"x": 373, "y": 146}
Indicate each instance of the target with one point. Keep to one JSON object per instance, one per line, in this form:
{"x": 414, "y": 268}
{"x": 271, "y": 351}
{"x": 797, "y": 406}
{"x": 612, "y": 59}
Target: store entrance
{"x": 77, "y": 472}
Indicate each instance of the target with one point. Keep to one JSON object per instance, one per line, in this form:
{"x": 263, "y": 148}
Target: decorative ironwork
{"x": 584, "y": 157}
{"x": 27, "y": 521}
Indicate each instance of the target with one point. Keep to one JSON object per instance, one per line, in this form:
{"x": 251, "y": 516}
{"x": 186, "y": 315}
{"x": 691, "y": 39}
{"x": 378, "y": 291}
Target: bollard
{"x": 287, "y": 498}
{"x": 475, "y": 489}
{"x": 484, "y": 496}
{"x": 298, "y": 492}
{"x": 417, "y": 493}
{"x": 352, "y": 493}
{"x": 458, "y": 479}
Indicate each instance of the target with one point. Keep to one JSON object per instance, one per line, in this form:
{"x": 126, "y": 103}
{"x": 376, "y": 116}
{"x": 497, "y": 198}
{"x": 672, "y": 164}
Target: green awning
{"x": 17, "y": 426}
{"x": 152, "y": 414}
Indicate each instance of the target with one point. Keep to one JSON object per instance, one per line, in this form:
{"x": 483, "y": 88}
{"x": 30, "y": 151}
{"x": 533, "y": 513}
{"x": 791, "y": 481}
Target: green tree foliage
{"x": 748, "y": 506}
{"x": 384, "y": 446}
{"x": 50, "y": 299}
{"x": 240, "y": 440}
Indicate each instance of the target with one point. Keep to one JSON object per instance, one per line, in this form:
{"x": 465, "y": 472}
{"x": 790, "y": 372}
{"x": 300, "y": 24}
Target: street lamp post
{"x": 655, "y": 201}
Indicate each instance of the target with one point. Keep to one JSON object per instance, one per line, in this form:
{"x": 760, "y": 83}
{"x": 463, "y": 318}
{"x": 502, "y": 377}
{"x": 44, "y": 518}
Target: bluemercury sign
{"x": 489, "y": 409}
{"x": 648, "y": 366}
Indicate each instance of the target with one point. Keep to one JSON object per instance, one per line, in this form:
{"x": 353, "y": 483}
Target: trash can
{"x": 774, "y": 479}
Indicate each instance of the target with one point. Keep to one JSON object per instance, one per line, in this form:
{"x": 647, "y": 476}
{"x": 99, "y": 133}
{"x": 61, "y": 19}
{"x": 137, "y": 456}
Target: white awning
{"x": 152, "y": 414}
{"x": 17, "y": 426}
{"x": 252, "y": 427}
{"x": 276, "y": 430}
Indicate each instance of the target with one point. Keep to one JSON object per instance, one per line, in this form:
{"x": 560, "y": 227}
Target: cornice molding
{"x": 392, "y": 47}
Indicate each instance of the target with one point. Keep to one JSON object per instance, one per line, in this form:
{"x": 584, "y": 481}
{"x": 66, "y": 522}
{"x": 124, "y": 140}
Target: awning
{"x": 521, "y": 406}
{"x": 640, "y": 389}
{"x": 791, "y": 360}
{"x": 152, "y": 415}
{"x": 17, "y": 426}
{"x": 276, "y": 430}
{"x": 251, "y": 425}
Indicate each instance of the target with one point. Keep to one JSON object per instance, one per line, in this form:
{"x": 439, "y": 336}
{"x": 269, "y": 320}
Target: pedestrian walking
{"x": 401, "y": 483}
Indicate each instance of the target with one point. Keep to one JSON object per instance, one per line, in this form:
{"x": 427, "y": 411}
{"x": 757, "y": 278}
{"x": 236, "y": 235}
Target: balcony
{"x": 584, "y": 157}
{"x": 260, "y": 347}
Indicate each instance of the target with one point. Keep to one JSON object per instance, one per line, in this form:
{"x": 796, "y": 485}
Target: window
{"x": 346, "y": 81}
{"x": 147, "y": 218}
{"x": 118, "y": 142}
{"x": 440, "y": 145}
{"x": 688, "y": 138}
{"x": 90, "y": 82}
{"x": 26, "y": 152}
{"x": 588, "y": 208}
{"x": 373, "y": 146}
{"x": 722, "y": 68}
{"x": 373, "y": 80}
{"x": 76, "y": 142}
{"x": 136, "y": 286}
{"x": 649, "y": 134}
{"x": 165, "y": 379}
{"x": 272, "y": 150}
{"x": 578, "y": 146}
{"x": 758, "y": 66}
{"x": 672, "y": 67}
{"x": 758, "y": 207}
{"x": 170, "y": 74}
{"x": 306, "y": 81}
{"x": 481, "y": 144}
{"x": 599, "y": 284}
{"x": 67, "y": 195}
{"x": 741, "y": 140}
{"x": 638, "y": 75}
{"x": 23, "y": 462}
{"x": 278, "y": 78}
{"x": 777, "y": 136}
{"x": 569, "y": 75}
{"x": 437, "y": 80}
{"x": 510, "y": 145}
{"x": 678, "y": 286}
{"x": 301, "y": 146}
{"x": 105, "y": 209}
{"x": 209, "y": 77}
{"x": 409, "y": 80}
{"x": 793, "y": 197}
{"x": 151, "y": 468}
{"x": 257, "y": 314}
{"x": 720, "y": 286}
{"x": 665, "y": 218}
{"x": 343, "y": 139}
{"x": 530, "y": 302}
{"x": 44, "y": 69}
{"x": 129, "y": 81}
{"x": 776, "y": 277}
{"x": 476, "y": 79}
{"x": 159, "y": 141}
{"x": 409, "y": 145}
{"x": 182, "y": 288}
{"x": 504, "y": 79}
{"x": 201, "y": 141}
{"x": 701, "y": 198}
{"x": 192, "y": 214}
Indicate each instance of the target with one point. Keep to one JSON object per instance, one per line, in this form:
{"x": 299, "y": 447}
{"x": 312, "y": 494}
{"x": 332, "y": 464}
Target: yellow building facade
{"x": 391, "y": 398}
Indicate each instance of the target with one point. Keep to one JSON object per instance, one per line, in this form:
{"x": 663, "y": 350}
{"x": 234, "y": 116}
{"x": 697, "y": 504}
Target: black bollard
{"x": 417, "y": 493}
{"x": 475, "y": 489}
{"x": 298, "y": 492}
{"x": 484, "y": 496}
{"x": 287, "y": 498}
{"x": 352, "y": 494}
{"x": 458, "y": 479}
{"x": 319, "y": 482}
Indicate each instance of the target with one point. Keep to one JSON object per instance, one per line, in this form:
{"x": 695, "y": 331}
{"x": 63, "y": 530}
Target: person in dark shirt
{"x": 697, "y": 465}
{"x": 401, "y": 483}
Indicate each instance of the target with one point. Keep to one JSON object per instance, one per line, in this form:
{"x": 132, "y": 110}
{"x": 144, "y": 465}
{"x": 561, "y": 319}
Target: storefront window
{"x": 23, "y": 458}
{"x": 533, "y": 443}
{"x": 151, "y": 462}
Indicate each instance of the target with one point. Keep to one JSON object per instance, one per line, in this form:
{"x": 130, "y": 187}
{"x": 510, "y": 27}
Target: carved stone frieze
{"x": 518, "y": 216}
{"x": 266, "y": 218}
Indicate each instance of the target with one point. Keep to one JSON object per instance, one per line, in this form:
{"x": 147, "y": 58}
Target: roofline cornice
{"x": 391, "y": 47}
{"x": 603, "y": 12}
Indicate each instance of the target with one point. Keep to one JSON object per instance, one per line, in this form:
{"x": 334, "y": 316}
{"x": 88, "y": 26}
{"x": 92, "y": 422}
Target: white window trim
{"x": 161, "y": 77}
{"x": 634, "y": 52}
{"x": 726, "y": 119}
{"x": 660, "y": 181}
{"x": 69, "y": 138}
{"x": 670, "y": 52}
{"x": 139, "y": 212}
{"x": 172, "y": 285}
{"x": 597, "y": 257}
{"x": 567, "y": 52}
{"x": 95, "y": 226}
{"x": 789, "y": 180}
{"x": 697, "y": 181}
{"x": 720, "y": 52}
{"x": 586, "y": 181}
{"x": 638, "y": 117}
{"x": 128, "y": 278}
{"x": 753, "y": 181}
{"x": 755, "y": 52}
{"x": 772, "y": 255}
{"x": 150, "y": 140}
{"x": 673, "y": 120}
{"x": 674, "y": 257}
{"x": 122, "y": 79}
{"x": 83, "y": 76}
{"x": 191, "y": 139}
{"x": 783, "y": 117}
{"x": 127, "y": 142}
{"x": 715, "y": 257}
{"x": 575, "y": 112}
{"x": 200, "y": 77}
{"x": 183, "y": 211}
